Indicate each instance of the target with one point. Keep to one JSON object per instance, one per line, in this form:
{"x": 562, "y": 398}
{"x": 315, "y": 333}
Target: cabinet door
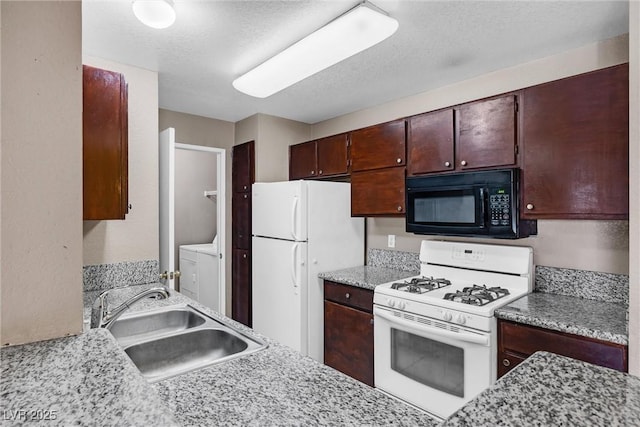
{"x": 302, "y": 160}
{"x": 332, "y": 155}
{"x": 348, "y": 341}
{"x": 378, "y": 192}
{"x": 430, "y": 142}
{"x": 378, "y": 146}
{"x": 104, "y": 145}
{"x": 242, "y": 169}
{"x": 576, "y": 141}
{"x": 241, "y": 220}
{"x": 241, "y": 286}
{"x": 487, "y": 133}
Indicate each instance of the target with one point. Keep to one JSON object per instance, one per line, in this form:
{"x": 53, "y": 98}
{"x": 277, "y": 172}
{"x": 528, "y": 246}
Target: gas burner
{"x": 477, "y": 295}
{"x": 420, "y": 285}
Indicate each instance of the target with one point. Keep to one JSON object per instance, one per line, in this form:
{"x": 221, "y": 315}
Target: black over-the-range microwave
{"x": 479, "y": 204}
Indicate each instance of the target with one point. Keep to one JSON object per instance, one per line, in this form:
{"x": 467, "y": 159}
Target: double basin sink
{"x": 175, "y": 340}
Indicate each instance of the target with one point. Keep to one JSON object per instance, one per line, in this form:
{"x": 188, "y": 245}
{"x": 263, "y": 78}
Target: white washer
{"x": 199, "y": 274}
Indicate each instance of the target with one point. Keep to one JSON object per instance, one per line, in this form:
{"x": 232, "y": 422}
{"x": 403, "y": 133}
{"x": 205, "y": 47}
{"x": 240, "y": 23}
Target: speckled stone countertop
{"x": 275, "y": 386}
{"x": 83, "y": 380}
{"x": 605, "y": 321}
{"x": 551, "y": 390}
{"x": 366, "y": 276}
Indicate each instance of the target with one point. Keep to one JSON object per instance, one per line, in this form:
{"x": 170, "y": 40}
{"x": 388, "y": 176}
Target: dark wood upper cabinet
{"x": 378, "y": 146}
{"x": 333, "y": 155}
{"x": 576, "y": 138}
{"x": 303, "y": 160}
{"x": 242, "y": 167}
{"x": 379, "y": 192}
{"x": 325, "y": 157}
{"x": 104, "y": 144}
{"x": 476, "y": 135}
{"x": 486, "y": 134}
{"x": 430, "y": 140}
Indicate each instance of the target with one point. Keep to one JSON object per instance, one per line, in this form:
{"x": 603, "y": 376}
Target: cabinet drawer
{"x": 349, "y": 295}
{"x": 526, "y": 340}
{"x": 507, "y": 361}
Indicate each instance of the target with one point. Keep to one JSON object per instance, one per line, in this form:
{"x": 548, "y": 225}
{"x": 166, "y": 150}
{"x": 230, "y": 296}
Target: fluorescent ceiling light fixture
{"x": 154, "y": 13}
{"x": 351, "y": 33}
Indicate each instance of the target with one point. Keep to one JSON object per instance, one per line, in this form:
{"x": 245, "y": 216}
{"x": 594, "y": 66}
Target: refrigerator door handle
{"x": 294, "y": 208}
{"x": 294, "y": 265}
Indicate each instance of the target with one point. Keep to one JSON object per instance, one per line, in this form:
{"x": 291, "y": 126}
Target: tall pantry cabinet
{"x": 242, "y": 176}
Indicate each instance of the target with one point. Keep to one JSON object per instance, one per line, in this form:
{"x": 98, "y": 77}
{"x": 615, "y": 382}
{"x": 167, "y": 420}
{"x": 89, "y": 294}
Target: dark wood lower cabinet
{"x": 516, "y": 342}
{"x": 348, "y": 331}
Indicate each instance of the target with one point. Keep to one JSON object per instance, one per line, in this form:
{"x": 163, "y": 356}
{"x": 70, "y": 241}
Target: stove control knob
{"x": 391, "y": 302}
{"x": 447, "y": 316}
{"x": 402, "y": 305}
{"x": 461, "y": 319}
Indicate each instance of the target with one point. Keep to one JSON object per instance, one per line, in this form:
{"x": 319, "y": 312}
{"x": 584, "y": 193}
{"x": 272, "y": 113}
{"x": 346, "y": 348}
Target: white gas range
{"x": 435, "y": 334}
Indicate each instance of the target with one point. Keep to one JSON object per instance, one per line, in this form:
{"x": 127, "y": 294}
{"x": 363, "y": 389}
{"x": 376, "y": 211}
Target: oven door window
{"x": 432, "y": 363}
{"x": 463, "y": 207}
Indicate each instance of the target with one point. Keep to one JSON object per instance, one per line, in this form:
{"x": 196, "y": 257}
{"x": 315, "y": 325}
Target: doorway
{"x": 192, "y": 220}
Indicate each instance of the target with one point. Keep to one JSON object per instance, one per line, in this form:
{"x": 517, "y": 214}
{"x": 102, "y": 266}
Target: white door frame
{"x": 220, "y": 207}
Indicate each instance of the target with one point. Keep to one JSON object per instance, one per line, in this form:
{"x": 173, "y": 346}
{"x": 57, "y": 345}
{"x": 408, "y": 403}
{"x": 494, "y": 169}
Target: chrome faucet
{"x": 102, "y": 317}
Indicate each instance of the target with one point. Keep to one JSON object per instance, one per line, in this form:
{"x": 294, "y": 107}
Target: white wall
{"x": 136, "y": 237}
{"x": 41, "y": 170}
{"x": 588, "y": 245}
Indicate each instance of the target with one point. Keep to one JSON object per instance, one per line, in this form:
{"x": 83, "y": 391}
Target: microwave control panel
{"x": 499, "y": 207}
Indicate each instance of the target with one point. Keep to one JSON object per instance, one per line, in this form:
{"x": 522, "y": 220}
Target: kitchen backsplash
{"x": 399, "y": 260}
{"x": 591, "y": 285}
{"x": 107, "y": 276}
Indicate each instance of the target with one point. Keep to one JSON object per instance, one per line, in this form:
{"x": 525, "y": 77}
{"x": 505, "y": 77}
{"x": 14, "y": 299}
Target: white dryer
{"x": 199, "y": 274}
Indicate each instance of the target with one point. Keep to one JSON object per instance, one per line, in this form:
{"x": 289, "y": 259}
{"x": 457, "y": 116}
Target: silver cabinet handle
{"x": 447, "y": 164}
{"x": 347, "y": 295}
{"x": 530, "y": 206}
{"x": 463, "y": 163}
{"x": 398, "y": 160}
{"x": 506, "y": 362}
{"x": 320, "y": 172}
{"x": 399, "y": 208}
{"x": 244, "y": 187}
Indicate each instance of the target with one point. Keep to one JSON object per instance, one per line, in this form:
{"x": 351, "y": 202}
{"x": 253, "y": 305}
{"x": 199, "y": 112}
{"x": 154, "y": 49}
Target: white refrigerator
{"x": 300, "y": 228}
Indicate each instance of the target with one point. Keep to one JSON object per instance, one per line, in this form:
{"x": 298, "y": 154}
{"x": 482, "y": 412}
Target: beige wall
{"x": 136, "y": 237}
{"x": 215, "y": 133}
{"x": 634, "y": 187}
{"x": 588, "y": 245}
{"x": 275, "y": 135}
{"x": 41, "y": 181}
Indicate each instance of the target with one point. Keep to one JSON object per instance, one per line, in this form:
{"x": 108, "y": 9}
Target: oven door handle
{"x": 461, "y": 336}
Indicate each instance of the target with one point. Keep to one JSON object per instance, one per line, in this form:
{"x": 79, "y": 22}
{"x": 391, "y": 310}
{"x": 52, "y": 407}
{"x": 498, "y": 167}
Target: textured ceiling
{"x": 437, "y": 43}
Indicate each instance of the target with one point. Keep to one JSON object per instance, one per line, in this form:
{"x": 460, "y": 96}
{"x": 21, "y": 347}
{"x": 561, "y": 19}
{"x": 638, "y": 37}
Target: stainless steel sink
{"x": 144, "y": 325}
{"x": 179, "y": 339}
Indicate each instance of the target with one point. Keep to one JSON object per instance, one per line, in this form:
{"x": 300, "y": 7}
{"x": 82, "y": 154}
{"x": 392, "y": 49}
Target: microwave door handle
{"x": 460, "y": 336}
{"x": 483, "y": 204}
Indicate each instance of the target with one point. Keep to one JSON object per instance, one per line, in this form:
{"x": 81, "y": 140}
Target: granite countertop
{"x": 551, "y": 390}
{"x": 81, "y": 380}
{"x": 605, "y": 321}
{"x": 366, "y": 277}
{"x": 88, "y": 378}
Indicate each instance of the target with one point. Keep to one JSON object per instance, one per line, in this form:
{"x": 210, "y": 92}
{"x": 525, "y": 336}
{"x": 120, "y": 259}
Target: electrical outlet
{"x": 391, "y": 242}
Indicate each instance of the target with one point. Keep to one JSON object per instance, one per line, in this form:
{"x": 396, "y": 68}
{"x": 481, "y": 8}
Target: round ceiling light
{"x": 155, "y": 13}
